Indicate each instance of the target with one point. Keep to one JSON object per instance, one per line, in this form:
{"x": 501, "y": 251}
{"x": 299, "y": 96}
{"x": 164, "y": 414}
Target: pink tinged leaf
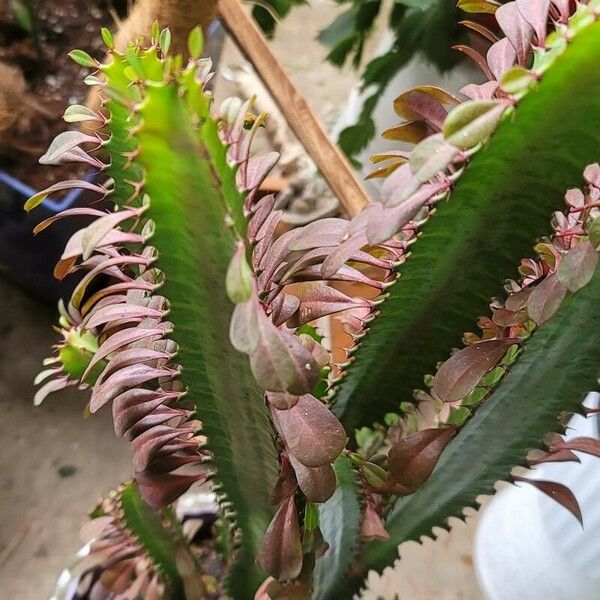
{"x": 564, "y": 9}
{"x": 307, "y": 371}
{"x": 460, "y": 374}
{"x": 283, "y": 307}
{"x": 76, "y": 154}
{"x": 581, "y": 444}
{"x": 151, "y": 441}
{"x": 372, "y": 526}
{"x": 244, "y": 332}
{"x": 321, "y": 356}
{"x": 391, "y": 220}
{"x": 286, "y": 484}
{"x": 340, "y": 255}
{"x": 71, "y": 212}
{"x": 558, "y": 492}
{"x": 431, "y": 156}
{"x": 500, "y": 57}
{"x": 131, "y": 406}
{"x": 480, "y": 29}
{"x": 102, "y": 266}
{"x": 319, "y": 234}
{"x": 316, "y": 483}
{"x": 38, "y": 198}
{"x": 553, "y": 456}
{"x": 592, "y": 175}
{"x": 476, "y": 58}
{"x": 160, "y": 490}
{"x": 424, "y": 103}
{"x": 259, "y": 216}
{"x": 138, "y": 285}
{"x": 280, "y": 553}
{"x": 129, "y": 357}
{"x": 516, "y": 28}
{"x": 518, "y": 300}
{"x": 282, "y": 400}
{"x": 411, "y": 460}
{"x": 411, "y": 132}
{"x": 252, "y": 173}
{"x": 239, "y": 279}
{"x": 536, "y": 13}
{"x": 50, "y": 387}
{"x": 126, "y": 312}
{"x": 271, "y": 362}
{"x": 344, "y": 273}
{"x": 125, "y": 379}
{"x": 317, "y": 300}
{"x": 394, "y": 186}
{"x": 94, "y": 233}
{"x": 310, "y": 431}
{"x": 485, "y": 91}
{"x": 578, "y": 266}
{"x": 575, "y": 198}
{"x": 546, "y": 298}
{"x": 508, "y": 318}
{"x": 63, "y": 143}
{"x": 119, "y": 340}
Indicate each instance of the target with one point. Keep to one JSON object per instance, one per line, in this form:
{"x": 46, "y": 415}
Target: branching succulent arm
{"x": 199, "y": 321}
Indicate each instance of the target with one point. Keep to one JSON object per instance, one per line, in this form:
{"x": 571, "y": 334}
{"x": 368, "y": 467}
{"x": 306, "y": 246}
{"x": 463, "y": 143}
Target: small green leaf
{"x": 472, "y": 122}
{"x": 195, "y": 42}
{"x": 164, "y": 40}
{"x": 107, "y": 38}
{"x": 76, "y": 113}
{"x": 92, "y": 80}
{"x": 239, "y": 279}
{"x": 516, "y": 80}
{"x": 459, "y": 416}
{"x": 82, "y": 58}
{"x": 155, "y": 32}
{"x": 477, "y": 6}
{"x": 594, "y": 232}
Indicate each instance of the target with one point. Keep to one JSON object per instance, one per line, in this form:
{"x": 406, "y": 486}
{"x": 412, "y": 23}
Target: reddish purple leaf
{"x": 500, "y": 57}
{"x": 317, "y": 300}
{"x": 535, "y": 12}
{"x": 581, "y": 444}
{"x": 558, "y": 492}
{"x": 516, "y": 28}
{"x": 577, "y": 267}
{"x": 411, "y": 460}
{"x": 282, "y": 400}
{"x": 310, "y": 431}
{"x": 280, "y": 554}
{"x": 316, "y": 483}
{"x": 460, "y": 374}
{"x": 243, "y": 330}
{"x": 122, "y": 380}
{"x": 518, "y": 300}
{"x": 546, "y": 298}
{"x": 372, "y": 526}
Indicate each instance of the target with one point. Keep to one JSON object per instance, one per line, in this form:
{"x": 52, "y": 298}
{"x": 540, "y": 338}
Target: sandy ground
{"x": 54, "y": 464}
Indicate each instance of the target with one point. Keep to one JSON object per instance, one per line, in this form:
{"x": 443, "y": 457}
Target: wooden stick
{"x": 304, "y": 123}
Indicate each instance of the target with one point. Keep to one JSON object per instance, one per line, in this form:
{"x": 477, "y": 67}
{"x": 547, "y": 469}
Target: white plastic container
{"x": 528, "y": 547}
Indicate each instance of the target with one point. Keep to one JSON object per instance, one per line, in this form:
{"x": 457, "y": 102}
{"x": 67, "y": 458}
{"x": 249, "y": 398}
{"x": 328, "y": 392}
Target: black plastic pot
{"x": 29, "y": 260}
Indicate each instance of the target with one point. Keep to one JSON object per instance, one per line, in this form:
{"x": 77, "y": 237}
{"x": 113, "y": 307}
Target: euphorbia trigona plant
{"x": 323, "y": 469}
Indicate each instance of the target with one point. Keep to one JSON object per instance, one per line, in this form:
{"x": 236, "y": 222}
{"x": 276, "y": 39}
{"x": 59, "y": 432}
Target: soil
{"x": 54, "y": 80}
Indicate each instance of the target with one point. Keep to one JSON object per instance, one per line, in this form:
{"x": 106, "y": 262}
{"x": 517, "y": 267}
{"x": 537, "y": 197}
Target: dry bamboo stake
{"x": 304, "y": 123}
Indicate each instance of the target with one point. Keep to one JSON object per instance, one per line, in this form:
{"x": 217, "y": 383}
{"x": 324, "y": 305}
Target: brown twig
{"x": 305, "y": 124}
